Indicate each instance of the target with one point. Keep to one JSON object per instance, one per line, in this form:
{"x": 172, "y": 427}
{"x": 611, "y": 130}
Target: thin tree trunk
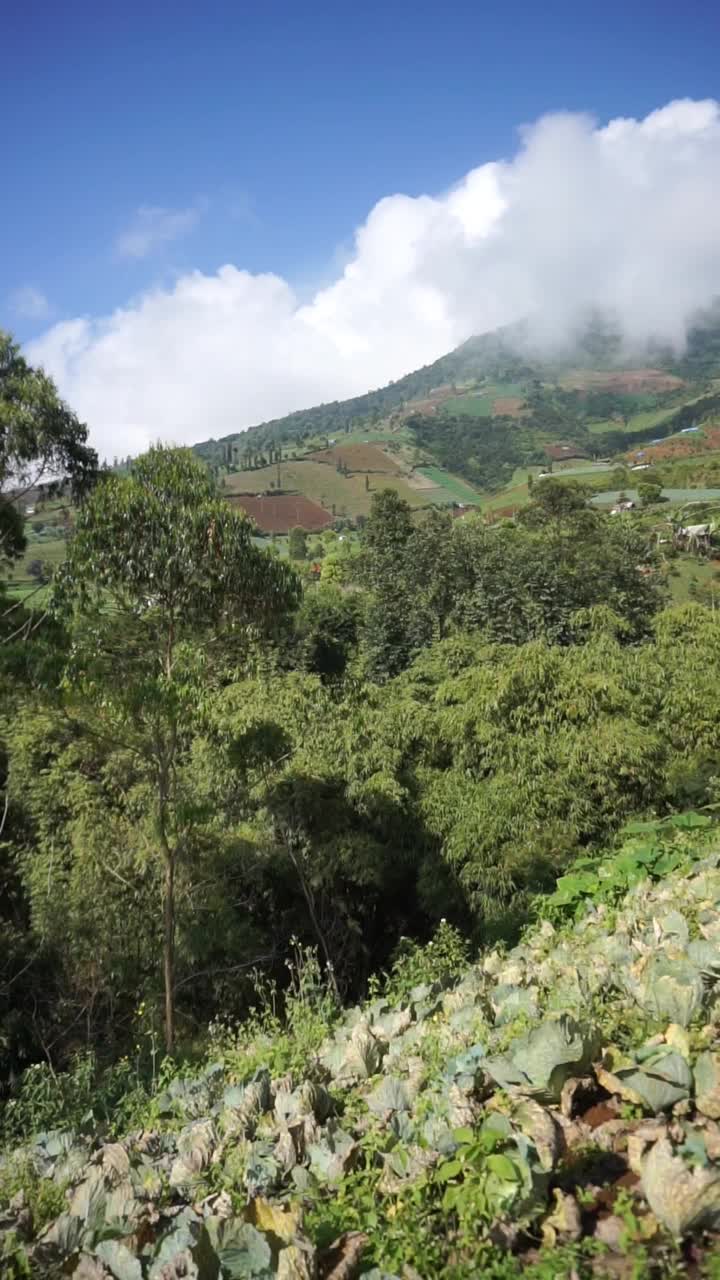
{"x": 307, "y": 894}
{"x": 169, "y": 949}
{"x": 169, "y": 855}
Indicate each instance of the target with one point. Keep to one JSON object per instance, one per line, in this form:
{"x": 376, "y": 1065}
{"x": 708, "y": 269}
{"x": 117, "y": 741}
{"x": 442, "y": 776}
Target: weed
{"x": 43, "y": 1198}
{"x": 446, "y": 955}
{"x": 282, "y": 1035}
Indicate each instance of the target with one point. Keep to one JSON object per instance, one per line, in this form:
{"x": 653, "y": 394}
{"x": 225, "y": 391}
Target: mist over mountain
{"x": 621, "y": 216}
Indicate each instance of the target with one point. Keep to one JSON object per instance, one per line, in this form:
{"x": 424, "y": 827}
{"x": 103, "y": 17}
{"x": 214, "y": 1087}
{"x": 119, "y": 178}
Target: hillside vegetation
{"x": 360, "y": 900}
{"x": 321, "y": 483}
{"x": 551, "y": 1110}
{"x": 494, "y": 405}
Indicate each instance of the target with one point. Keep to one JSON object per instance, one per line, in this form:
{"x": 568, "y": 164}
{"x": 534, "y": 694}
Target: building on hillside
{"x": 565, "y": 452}
{"x": 695, "y": 537}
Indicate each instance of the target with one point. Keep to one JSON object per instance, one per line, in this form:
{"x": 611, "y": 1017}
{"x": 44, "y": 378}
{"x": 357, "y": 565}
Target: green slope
{"x": 445, "y": 409}
{"x": 542, "y": 1113}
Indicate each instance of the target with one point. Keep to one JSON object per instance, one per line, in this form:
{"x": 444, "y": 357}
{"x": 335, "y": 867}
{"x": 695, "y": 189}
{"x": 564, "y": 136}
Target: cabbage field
{"x": 550, "y": 1110}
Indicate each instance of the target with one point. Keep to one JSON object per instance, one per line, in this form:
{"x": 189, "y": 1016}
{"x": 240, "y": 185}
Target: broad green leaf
{"x": 682, "y": 1198}
{"x": 242, "y": 1250}
{"x": 119, "y": 1260}
{"x": 689, "y": 821}
{"x": 707, "y": 1084}
{"x": 503, "y": 1167}
{"x": 390, "y": 1095}
{"x": 450, "y": 1169}
{"x": 463, "y": 1135}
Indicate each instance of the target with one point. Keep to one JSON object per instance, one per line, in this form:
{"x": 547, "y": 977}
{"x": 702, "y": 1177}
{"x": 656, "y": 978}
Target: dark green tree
{"x": 649, "y": 494}
{"x": 327, "y": 629}
{"x": 384, "y": 538}
{"x": 297, "y": 544}
{"x": 161, "y": 591}
{"x": 41, "y": 439}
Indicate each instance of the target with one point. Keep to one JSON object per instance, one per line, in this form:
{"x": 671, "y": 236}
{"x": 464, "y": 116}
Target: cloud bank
{"x": 624, "y": 216}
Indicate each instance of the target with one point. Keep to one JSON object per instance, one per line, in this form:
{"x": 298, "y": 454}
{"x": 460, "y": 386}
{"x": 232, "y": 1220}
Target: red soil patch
{"x": 501, "y": 513}
{"x": 357, "y": 457}
{"x": 564, "y": 452}
{"x": 599, "y": 1114}
{"x": 689, "y": 446}
{"x": 430, "y": 403}
{"x": 281, "y": 512}
{"x": 631, "y": 380}
{"x": 508, "y": 407}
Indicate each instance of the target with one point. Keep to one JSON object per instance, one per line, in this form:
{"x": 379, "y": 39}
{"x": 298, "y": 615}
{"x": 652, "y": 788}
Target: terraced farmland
{"x": 493, "y": 399}
{"x": 358, "y": 457}
{"x": 324, "y": 485}
{"x": 609, "y": 496}
{"x": 455, "y": 489}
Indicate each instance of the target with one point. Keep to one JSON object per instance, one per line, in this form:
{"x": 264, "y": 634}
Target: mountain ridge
{"x": 506, "y": 354}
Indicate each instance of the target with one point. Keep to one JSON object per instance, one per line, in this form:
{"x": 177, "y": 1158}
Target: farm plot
{"x": 508, "y": 407}
{"x": 281, "y": 512}
{"x": 690, "y": 445}
{"x": 637, "y": 422}
{"x": 322, "y": 484}
{"x": 362, "y": 458}
{"x": 502, "y": 398}
{"x": 453, "y": 489}
{"x": 627, "y": 381}
{"x": 51, "y": 553}
{"x": 610, "y": 496}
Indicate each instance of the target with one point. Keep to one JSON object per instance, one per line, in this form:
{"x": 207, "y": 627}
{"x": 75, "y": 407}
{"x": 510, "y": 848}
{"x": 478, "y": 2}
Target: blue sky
{"x": 213, "y": 213}
{"x": 276, "y": 126}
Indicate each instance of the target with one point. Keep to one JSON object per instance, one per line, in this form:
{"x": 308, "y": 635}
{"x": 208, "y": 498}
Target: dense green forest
{"x": 234, "y": 806}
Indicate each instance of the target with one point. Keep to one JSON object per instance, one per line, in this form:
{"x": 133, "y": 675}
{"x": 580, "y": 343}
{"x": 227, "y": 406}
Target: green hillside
{"x": 495, "y": 404}
{"x": 508, "y": 357}
{"x": 544, "y": 1112}
{"x": 343, "y": 495}
{"x": 360, "y": 905}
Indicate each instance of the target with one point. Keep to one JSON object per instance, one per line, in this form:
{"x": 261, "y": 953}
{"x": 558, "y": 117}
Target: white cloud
{"x": 624, "y": 216}
{"x": 152, "y": 227}
{"x": 30, "y": 303}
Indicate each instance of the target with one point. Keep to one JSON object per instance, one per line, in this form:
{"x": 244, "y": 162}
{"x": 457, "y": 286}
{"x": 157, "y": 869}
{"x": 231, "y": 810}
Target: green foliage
{"x": 650, "y": 850}
{"x": 443, "y": 958}
{"x": 513, "y": 583}
{"x": 327, "y": 630}
{"x": 297, "y": 544}
{"x": 81, "y": 1098}
{"x": 482, "y": 450}
{"x": 482, "y": 1181}
{"x": 161, "y": 590}
{"x": 283, "y": 1030}
{"x": 40, "y": 437}
{"x": 649, "y": 493}
{"x": 20, "y": 1176}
